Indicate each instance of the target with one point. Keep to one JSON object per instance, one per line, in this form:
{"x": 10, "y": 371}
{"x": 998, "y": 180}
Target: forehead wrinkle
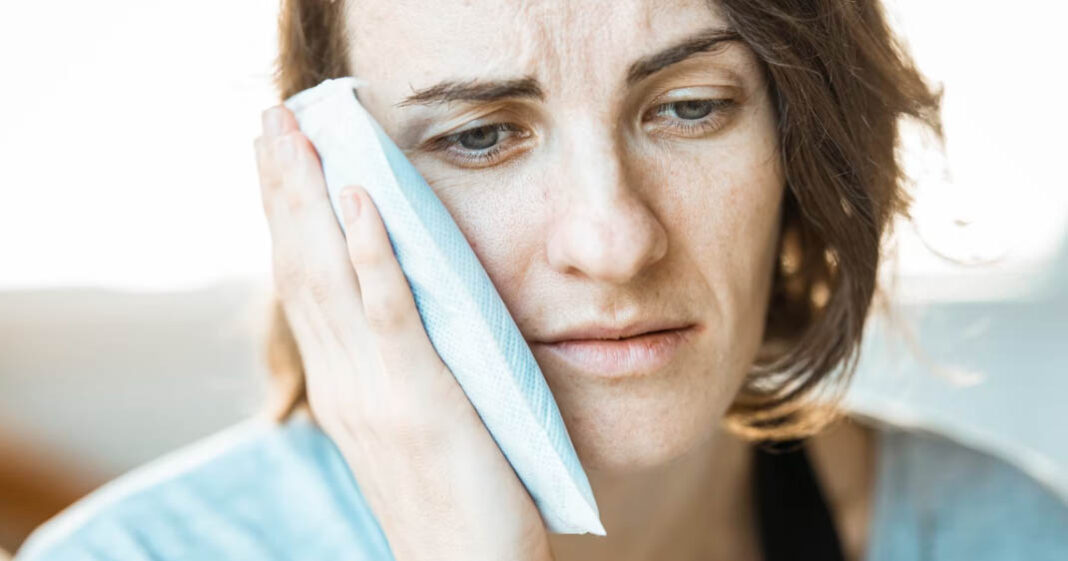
{"x": 584, "y": 51}
{"x": 533, "y": 51}
{"x": 561, "y": 43}
{"x": 578, "y": 51}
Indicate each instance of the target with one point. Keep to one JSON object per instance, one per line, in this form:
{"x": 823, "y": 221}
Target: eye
{"x": 478, "y": 145}
{"x": 692, "y": 116}
{"x": 693, "y": 109}
{"x": 480, "y": 138}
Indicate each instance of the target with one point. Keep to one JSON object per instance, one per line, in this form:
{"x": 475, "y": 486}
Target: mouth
{"x": 637, "y": 355}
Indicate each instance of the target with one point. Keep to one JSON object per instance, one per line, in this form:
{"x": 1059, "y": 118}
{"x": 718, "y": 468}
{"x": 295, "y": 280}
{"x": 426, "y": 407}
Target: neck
{"x": 695, "y": 506}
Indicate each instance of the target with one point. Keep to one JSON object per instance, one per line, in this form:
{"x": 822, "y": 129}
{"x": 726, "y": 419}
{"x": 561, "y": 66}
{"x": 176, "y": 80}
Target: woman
{"x": 713, "y": 179}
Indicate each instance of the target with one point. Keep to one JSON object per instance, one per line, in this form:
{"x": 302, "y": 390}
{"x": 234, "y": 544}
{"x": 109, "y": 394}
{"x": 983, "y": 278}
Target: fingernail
{"x": 350, "y": 204}
{"x": 272, "y": 121}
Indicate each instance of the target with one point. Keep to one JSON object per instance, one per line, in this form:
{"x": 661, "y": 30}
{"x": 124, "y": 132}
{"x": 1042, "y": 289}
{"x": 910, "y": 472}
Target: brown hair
{"x": 840, "y": 82}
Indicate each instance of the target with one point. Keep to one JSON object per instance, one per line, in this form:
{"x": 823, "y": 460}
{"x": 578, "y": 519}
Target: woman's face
{"x": 607, "y": 180}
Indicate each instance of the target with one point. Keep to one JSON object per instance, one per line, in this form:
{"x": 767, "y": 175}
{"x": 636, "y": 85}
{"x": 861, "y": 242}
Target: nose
{"x": 604, "y": 227}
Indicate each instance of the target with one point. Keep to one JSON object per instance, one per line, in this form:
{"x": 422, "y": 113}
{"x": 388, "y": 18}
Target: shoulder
{"x": 258, "y": 490}
{"x": 940, "y": 499}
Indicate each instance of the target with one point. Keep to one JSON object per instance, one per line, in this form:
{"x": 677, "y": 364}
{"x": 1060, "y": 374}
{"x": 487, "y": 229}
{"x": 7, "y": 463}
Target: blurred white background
{"x": 134, "y": 252}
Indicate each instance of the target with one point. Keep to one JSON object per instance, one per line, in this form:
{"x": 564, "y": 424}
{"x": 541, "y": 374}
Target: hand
{"x": 428, "y": 468}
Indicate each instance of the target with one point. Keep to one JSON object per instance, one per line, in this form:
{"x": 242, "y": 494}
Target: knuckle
{"x": 320, "y": 286}
{"x": 281, "y": 142}
{"x": 288, "y": 274}
{"x": 270, "y": 182}
{"x": 363, "y": 253}
{"x": 293, "y": 142}
{"x": 296, "y": 201}
{"x": 386, "y": 316}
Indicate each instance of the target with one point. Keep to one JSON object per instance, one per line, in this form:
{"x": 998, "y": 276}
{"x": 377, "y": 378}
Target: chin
{"x": 635, "y": 454}
{"x": 629, "y": 429}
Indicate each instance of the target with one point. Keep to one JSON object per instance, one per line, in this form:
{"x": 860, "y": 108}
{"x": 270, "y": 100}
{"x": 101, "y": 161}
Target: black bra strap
{"x": 793, "y": 520}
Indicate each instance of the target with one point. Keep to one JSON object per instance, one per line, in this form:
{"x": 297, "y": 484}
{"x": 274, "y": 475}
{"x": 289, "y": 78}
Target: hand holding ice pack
{"x": 463, "y": 314}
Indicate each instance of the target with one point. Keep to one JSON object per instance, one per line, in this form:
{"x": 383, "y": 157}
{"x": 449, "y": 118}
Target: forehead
{"x": 406, "y": 44}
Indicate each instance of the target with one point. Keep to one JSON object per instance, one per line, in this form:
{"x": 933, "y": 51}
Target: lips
{"x": 641, "y": 354}
{"x": 601, "y": 332}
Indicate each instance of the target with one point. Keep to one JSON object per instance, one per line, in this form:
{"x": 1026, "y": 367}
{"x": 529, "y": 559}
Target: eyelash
{"x": 445, "y": 143}
{"x": 708, "y": 123}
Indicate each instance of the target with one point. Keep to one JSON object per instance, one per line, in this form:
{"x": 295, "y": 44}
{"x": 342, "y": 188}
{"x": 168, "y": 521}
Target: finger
{"x": 274, "y": 155}
{"x": 310, "y": 258}
{"x": 319, "y": 288}
{"x": 266, "y": 174}
{"x": 328, "y": 380}
{"x": 285, "y": 241}
{"x": 270, "y": 179}
{"x": 303, "y": 213}
{"x": 313, "y": 355}
{"x": 296, "y": 184}
{"x": 388, "y": 306}
{"x": 277, "y": 120}
{"x": 298, "y": 209}
{"x": 335, "y": 353}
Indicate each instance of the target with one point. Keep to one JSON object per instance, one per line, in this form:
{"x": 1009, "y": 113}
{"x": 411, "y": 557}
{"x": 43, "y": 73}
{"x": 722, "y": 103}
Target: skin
{"x": 600, "y": 217}
{"x": 597, "y": 208}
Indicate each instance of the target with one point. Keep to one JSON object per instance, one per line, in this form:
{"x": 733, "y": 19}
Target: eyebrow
{"x": 703, "y": 41}
{"x": 476, "y": 90}
{"x": 528, "y": 87}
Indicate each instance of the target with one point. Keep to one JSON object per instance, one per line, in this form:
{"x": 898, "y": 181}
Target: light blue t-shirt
{"x": 264, "y": 491}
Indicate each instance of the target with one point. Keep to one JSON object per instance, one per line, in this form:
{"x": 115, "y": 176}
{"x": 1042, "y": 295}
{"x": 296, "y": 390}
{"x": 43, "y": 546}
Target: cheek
{"x": 723, "y": 201}
{"x": 743, "y": 191}
{"x": 500, "y": 214}
{"x": 721, "y": 208}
